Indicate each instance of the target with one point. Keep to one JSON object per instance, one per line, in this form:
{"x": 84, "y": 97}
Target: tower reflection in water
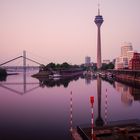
{"x": 99, "y": 121}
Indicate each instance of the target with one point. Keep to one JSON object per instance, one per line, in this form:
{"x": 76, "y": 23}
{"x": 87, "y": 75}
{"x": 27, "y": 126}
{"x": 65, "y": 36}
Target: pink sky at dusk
{"x": 64, "y": 30}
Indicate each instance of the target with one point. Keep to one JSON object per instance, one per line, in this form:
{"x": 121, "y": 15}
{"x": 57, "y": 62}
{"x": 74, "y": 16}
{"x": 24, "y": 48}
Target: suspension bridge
{"x": 24, "y": 67}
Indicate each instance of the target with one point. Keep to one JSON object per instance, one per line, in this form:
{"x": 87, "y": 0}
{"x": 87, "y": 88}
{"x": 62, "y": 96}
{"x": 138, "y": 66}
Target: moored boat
{"x": 55, "y": 76}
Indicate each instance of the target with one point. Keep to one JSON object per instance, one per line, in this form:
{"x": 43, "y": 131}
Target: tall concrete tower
{"x": 98, "y": 21}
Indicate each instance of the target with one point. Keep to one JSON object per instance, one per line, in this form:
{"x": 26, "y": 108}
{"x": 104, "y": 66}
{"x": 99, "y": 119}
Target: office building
{"x": 134, "y": 63}
{"x": 87, "y": 61}
{"x": 125, "y": 48}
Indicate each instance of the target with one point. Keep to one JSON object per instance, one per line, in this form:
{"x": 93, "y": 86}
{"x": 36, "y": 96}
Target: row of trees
{"x": 65, "y": 65}
{"x": 54, "y": 66}
{"x": 94, "y": 67}
{"x": 107, "y": 66}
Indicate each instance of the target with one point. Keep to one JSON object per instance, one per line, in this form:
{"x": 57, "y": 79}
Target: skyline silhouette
{"x": 58, "y": 31}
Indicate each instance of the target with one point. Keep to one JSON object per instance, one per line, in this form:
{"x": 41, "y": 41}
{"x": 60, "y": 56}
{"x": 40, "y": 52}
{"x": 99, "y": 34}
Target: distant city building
{"x": 113, "y": 61}
{"x": 130, "y": 55}
{"x": 121, "y": 63}
{"x": 127, "y": 53}
{"x": 106, "y": 61}
{"x": 134, "y": 63}
{"x": 125, "y": 48}
{"x": 117, "y": 63}
{"x": 87, "y": 61}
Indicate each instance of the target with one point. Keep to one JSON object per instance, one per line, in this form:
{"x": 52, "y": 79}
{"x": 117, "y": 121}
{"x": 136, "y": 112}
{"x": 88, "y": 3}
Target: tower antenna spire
{"x": 98, "y": 7}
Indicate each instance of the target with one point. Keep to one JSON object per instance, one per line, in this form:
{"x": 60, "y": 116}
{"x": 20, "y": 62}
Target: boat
{"x": 55, "y": 76}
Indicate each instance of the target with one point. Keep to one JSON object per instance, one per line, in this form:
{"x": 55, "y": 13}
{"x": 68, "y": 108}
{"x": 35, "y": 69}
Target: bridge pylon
{"x": 24, "y": 70}
{"x": 24, "y": 59}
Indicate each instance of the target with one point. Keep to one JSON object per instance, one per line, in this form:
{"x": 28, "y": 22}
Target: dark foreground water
{"x": 40, "y": 110}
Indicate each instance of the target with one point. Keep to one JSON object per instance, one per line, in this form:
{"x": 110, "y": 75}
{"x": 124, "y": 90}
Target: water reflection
{"x": 56, "y": 82}
{"x": 99, "y": 121}
{"x": 45, "y": 114}
{"x": 128, "y": 94}
{"x": 15, "y": 86}
{"x": 3, "y": 78}
{"x": 89, "y": 79}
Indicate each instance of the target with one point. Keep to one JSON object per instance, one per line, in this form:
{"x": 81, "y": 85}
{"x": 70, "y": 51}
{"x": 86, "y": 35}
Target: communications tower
{"x": 98, "y": 21}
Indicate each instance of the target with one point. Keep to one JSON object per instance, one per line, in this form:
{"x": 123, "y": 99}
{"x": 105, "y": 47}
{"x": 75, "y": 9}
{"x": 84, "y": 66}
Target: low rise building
{"x": 121, "y": 63}
{"x": 127, "y": 53}
{"x": 87, "y": 61}
{"x": 134, "y": 63}
{"x": 106, "y": 61}
{"x": 130, "y": 55}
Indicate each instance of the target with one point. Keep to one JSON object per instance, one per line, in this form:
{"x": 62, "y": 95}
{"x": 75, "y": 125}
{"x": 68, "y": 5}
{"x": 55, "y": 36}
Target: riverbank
{"x": 41, "y": 74}
{"x": 129, "y": 79}
{"x": 61, "y": 73}
{"x": 127, "y": 76}
{"x": 125, "y": 131}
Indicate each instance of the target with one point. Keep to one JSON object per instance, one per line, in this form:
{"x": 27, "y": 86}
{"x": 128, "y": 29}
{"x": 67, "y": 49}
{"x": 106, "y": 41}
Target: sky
{"x": 64, "y": 30}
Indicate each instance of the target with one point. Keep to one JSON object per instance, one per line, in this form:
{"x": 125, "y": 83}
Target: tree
{"x": 110, "y": 65}
{"x": 58, "y": 66}
{"x": 51, "y": 65}
{"x": 65, "y": 65}
{"x": 104, "y": 67}
{"x": 107, "y": 66}
{"x": 3, "y": 72}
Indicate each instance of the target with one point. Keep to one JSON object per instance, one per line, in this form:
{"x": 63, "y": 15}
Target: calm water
{"x": 41, "y": 109}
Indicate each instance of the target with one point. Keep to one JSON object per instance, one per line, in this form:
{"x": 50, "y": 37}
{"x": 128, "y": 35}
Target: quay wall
{"x": 128, "y": 76}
